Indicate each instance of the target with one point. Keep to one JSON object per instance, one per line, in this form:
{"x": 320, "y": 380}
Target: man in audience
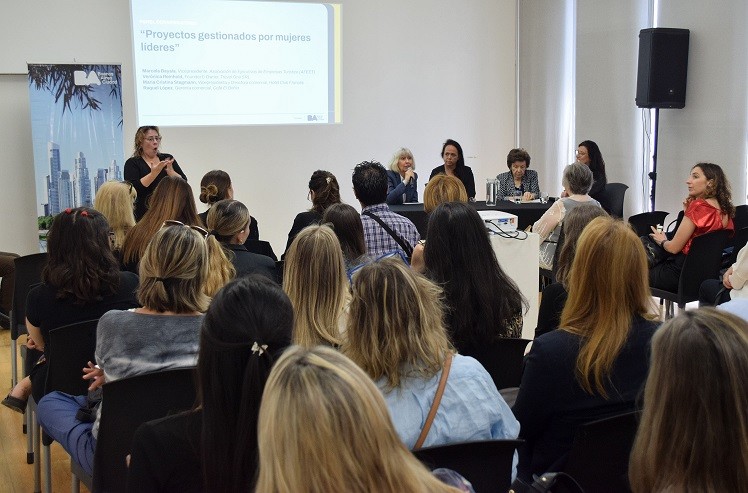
{"x": 384, "y": 231}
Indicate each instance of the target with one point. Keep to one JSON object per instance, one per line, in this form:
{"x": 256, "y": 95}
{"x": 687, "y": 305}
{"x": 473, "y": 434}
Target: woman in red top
{"x": 707, "y": 208}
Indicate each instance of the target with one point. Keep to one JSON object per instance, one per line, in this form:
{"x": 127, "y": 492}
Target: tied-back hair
{"x": 720, "y": 189}
{"x": 173, "y": 271}
{"x": 693, "y": 434}
{"x": 246, "y": 328}
{"x": 214, "y": 186}
{"x": 318, "y": 404}
{"x": 346, "y": 223}
{"x": 402, "y": 152}
{"x": 227, "y": 218}
{"x": 483, "y": 303}
{"x": 460, "y": 157}
{"x": 597, "y": 163}
{"x": 116, "y": 199}
{"x": 140, "y": 137}
{"x": 314, "y": 279}
{"x": 171, "y": 199}
{"x": 80, "y": 263}
{"x": 326, "y": 190}
{"x": 395, "y": 323}
{"x": 443, "y": 188}
{"x": 574, "y": 223}
{"x": 608, "y": 287}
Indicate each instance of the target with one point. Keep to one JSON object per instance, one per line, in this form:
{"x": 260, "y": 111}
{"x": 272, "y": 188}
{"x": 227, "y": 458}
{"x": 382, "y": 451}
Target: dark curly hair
{"x": 720, "y": 189}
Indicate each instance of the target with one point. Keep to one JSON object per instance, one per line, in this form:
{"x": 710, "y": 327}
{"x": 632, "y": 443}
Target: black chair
{"x": 5, "y": 318}
{"x": 741, "y": 217}
{"x": 126, "y": 404}
{"x": 642, "y": 223}
{"x": 702, "y": 262}
{"x": 611, "y": 199}
{"x": 503, "y": 360}
{"x": 486, "y": 464}
{"x": 28, "y": 273}
{"x": 599, "y": 457}
{"x": 261, "y": 247}
{"x": 739, "y": 241}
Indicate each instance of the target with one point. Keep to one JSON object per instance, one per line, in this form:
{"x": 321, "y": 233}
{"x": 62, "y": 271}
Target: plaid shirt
{"x": 379, "y": 241}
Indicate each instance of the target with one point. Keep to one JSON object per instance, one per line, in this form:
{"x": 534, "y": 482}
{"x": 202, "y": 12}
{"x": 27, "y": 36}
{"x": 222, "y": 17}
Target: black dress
{"x": 302, "y": 220}
{"x": 135, "y": 169}
{"x": 464, "y": 173}
{"x": 246, "y": 262}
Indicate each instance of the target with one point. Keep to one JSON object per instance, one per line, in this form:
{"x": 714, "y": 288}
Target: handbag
{"x": 655, "y": 253}
{"x": 550, "y": 482}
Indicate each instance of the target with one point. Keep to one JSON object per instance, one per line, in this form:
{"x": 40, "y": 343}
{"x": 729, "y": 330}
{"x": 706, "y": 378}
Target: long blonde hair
{"x": 324, "y": 426}
{"x": 608, "y": 286}
{"x": 314, "y": 279}
{"x": 392, "y": 303}
{"x": 693, "y": 434}
{"x": 116, "y": 199}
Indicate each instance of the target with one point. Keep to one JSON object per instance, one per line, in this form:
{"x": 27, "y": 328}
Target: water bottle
{"x": 492, "y": 188}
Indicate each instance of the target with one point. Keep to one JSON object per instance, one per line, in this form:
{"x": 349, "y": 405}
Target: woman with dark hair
{"x": 519, "y": 180}
{"x": 214, "y": 446}
{"x": 454, "y": 165}
{"x": 346, "y": 223}
{"x": 588, "y": 153}
{"x": 323, "y": 192}
{"x": 81, "y": 281}
{"x": 147, "y": 167}
{"x": 708, "y": 207}
{"x": 216, "y": 186}
{"x": 483, "y": 303}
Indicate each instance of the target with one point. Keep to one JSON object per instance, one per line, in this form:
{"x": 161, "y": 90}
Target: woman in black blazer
{"x": 454, "y": 165}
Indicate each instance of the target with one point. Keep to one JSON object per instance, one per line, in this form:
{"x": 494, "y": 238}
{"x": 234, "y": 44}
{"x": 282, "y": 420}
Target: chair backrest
{"x": 128, "y": 403}
{"x": 741, "y": 217}
{"x": 69, "y": 348}
{"x": 739, "y": 241}
{"x": 28, "y": 271}
{"x": 643, "y": 222}
{"x": 486, "y": 464}
{"x": 599, "y": 457}
{"x": 702, "y": 262}
{"x": 612, "y": 198}
{"x": 503, "y": 360}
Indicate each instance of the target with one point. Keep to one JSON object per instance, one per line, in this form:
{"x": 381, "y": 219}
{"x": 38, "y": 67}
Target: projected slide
{"x": 236, "y": 62}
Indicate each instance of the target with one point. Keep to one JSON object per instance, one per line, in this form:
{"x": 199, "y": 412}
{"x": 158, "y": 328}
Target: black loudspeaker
{"x": 663, "y": 65}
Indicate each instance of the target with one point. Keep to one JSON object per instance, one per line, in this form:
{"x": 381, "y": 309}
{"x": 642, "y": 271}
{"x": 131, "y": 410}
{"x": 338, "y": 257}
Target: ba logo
{"x": 81, "y": 79}
{"x": 311, "y": 118}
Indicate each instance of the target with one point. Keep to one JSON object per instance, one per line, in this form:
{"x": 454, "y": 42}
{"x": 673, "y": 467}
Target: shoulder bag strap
{"x": 399, "y": 239}
{"x": 435, "y": 404}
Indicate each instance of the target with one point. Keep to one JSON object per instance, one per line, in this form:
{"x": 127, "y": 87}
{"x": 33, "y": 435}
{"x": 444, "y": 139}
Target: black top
{"x": 552, "y": 303}
{"x": 464, "y": 173}
{"x": 135, "y": 169}
{"x": 165, "y": 455}
{"x": 598, "y": 185}
{"x": 247, "y": 263}
{"x": 302, "y": 220}
{"x": 551, "y": 404}
{"x": 254, "y": 229}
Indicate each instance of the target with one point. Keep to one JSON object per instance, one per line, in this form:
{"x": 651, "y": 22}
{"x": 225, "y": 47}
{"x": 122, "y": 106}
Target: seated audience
{"x": 715, "y": 292}
{"x": 693, "y": 434}
{"x": 554, "y": 295}
{"x": 588, "y": 153}
{"x": 80, "y": 282}
{"x": 228, "y": 223}
{"x": 595, "y": 364}
{"x": 577, "y": 180}
{"x": 216, "y": 186}
{"x": 317, "y": 403}
{"x": 315, "y": 281}
{"x": 396, "y": 334}
{"x": 346, "y": 223}
{"x": 401, "y": 178}
{"x": 163, "y": 334}
{"x": 708, "y": 207}
{"x": 323, "y": 192}
{"x": 454, "y": 165}
{"x": 116, "y": 199}
{"x": 384, "y": 231}
{"x": 214, "y": 446}
{"x": 519, "y": 180}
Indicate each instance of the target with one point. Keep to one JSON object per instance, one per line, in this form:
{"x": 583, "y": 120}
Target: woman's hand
{"x": 409, "y": 175}
{"x": 30, "y": 344}
{"x": 726, "y": 279}
{"x": 527, "y": 196}
{"x": 657, "y": 236}
{"x": 158, "y": 167}
{"x": 93, "y": 372}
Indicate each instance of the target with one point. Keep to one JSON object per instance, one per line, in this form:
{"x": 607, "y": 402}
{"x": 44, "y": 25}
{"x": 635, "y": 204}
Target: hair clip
{"x": 68, "y": 210}
{"x": 259, "y": 349}
{"x": 84, "y": 213}
{"x": 328, "y": 180}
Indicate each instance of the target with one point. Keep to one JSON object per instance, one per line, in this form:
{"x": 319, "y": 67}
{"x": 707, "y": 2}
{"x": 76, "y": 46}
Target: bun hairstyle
{"x": 326, "y": 190}
{"x": 214, "y": 186}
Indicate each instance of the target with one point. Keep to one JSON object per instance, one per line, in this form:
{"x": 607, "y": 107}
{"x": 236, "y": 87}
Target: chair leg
{"x": 13, "y": 363}
{"x": 47, "y": 469}
{"x": 28, "y": 424}
{"x": 75, "y": 485}
{"x": 668, "y": 310}
{"x": 37, "y": 465}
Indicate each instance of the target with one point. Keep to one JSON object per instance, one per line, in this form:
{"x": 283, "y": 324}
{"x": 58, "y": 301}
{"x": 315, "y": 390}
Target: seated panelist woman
{"x": 519, "y": 180}
{"x": 401, "y": 179}
{"x": 147, "y": 167}
{"x": 454, "y": 165}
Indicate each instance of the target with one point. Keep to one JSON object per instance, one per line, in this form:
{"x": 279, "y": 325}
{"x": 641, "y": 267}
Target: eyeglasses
{"x": 129, "y": 184}
{"x": 172, "y": 222}
{"x": 153, "y": 139}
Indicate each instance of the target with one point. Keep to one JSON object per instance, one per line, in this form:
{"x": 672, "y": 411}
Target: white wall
{"x": 414, "y": 74}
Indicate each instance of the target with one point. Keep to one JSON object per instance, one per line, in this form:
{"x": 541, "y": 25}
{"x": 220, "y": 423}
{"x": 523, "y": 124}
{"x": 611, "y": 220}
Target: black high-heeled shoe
{"x": 14, "y": 403}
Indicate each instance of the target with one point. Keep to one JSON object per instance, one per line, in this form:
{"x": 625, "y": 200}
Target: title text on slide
{"x": 213, "y": 36}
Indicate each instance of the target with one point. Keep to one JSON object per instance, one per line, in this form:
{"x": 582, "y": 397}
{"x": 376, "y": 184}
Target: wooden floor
{"x": 15, "y": 474}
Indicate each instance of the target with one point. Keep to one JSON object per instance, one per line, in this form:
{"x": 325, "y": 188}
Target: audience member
{"x": 317, "y": 403}
{"x": 116, "y": 200}
{"x": 519, "y": 180}
{"x": 315, "y": 281}
{"x": 454, "y": 165}
{"x": 346, "y": 223}
{"x": 384, "y": 231}
{"x": 214, "y": 446}
{"x": 554, "y": 295}
{"x": 147, "y": 167}
{"x": 577, "y": 180}
{"x": 708, "y": 207}
{"x": 401, "y": 178}
{"x": 396, "y": 334}
{"x": 81, "y": 281}
{"x": 323, "y": 192}
{"x": 693, "y": 434}
{"x": 163, "y": 334}
{"x": 715, "y": 292}
{"x": 595, "y": 364}
{"x": 216, "y": 186}
{"x": 588, "y": 153}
